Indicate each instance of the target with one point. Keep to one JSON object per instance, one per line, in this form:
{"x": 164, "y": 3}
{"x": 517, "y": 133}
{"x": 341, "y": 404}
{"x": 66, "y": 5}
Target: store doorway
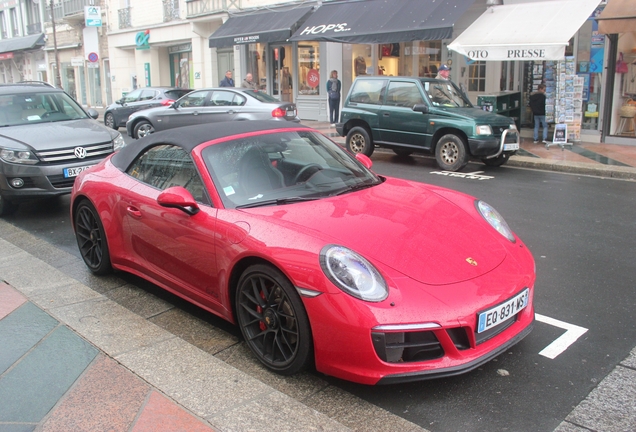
{"x": 281, "y": 72}
{"x": 225, "y": 62}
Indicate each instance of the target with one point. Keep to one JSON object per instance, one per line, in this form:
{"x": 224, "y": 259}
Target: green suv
{"x": 410, "y": 114}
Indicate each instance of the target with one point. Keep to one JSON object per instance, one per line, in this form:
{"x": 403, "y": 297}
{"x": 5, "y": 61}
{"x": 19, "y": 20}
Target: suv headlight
{"x": 118, "y": 142}
{"x": 483, "y": 130}
{"x": 18, "y": 156}
{"x": 513, "y": 126}
{"x": 495, "y": 220}
{"x": 352, "y": 273}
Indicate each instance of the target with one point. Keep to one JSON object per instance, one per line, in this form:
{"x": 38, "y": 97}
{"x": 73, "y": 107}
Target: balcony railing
{"x": 124, "y": 18}
{"x": 170, "y": 10}
{"x": 197, "y": 8}
{"x": 66, "y": 8}
{"x": 34, "y": 28}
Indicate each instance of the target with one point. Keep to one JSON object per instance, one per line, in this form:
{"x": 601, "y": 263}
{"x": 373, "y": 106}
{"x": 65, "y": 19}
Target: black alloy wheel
{"x": 91, "y": 239}
{"x": 109, "y": 121}
{"x": 273, "y": 320}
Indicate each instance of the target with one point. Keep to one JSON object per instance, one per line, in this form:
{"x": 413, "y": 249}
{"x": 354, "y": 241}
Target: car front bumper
{"x": 491, "y": 146}
{"x": 351, "y": 339}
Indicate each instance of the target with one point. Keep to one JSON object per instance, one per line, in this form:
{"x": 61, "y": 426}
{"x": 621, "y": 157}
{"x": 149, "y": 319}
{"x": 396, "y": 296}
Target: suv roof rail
{"x": 36, "y": 82}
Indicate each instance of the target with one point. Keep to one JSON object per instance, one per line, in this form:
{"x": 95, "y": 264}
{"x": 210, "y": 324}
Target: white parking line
{"x": 573, "y": 332}
{"x": 471, "y": 176}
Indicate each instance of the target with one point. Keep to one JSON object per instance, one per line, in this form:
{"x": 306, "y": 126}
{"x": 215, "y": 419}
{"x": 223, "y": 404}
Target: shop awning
{"x": 524, "y": 31}
{"x": 255, "y": 27}
{"x": 22, "y": 43}
{"x": 382, "y": 21}
{"x": 619, "y": 16}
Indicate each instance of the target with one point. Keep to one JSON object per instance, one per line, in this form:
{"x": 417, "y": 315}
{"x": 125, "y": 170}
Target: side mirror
{"x": 364, "y": 160}
{"x": 179, "y": 198}
{"x": 423, "y": 108}
{"x": 120, "y": 101}
{"x": 92, "y": 113}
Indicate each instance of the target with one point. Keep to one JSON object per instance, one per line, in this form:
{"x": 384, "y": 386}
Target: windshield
{"x": 26, "y": 108}
{"x": 444, "y": 93}
{"x": 260, "y": 96}
{"x": 280, "y": 168}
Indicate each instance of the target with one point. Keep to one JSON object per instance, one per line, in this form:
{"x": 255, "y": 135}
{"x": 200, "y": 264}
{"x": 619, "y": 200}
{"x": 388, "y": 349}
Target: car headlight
{"x": 483, "y": 130}
{"x": 493, "y": 217}
{"x": 118, "y": 142}
{"x": 18, "y": 156}
{"x": 513, "y": 126}
{"x": 352, "y": 273}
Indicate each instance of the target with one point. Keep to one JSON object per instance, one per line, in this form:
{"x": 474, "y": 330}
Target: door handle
{"x": 230, "y": 111}
{"x": 133, "y": 212}
{"x": 195, "y": 113}
{"x": 386, "y": 114}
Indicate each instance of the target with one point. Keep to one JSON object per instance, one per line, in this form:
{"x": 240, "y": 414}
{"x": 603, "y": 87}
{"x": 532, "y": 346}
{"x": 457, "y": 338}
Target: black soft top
{"x": 191, "y": 136}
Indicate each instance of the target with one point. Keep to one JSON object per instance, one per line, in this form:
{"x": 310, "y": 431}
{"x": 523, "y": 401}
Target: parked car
{"x": 117, "y": 113}
{"x": 47, "y": 139}
{"x": 320, "y": 262}
{"x": 214, "y": 105}
{"x": 411, "y": 114}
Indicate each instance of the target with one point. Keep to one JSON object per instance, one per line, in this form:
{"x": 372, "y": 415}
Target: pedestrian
{"x": 248, "y": 82}
{"x": 537, "y": 105}
{"x": 443, "y": 72}
{"x": 227, "y": 81}
{"x": 333, "y": 90}
{"x": 439, "y": 94}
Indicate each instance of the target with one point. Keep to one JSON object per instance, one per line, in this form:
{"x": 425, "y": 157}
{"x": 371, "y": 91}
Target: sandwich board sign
{"x": 560, "y": 133}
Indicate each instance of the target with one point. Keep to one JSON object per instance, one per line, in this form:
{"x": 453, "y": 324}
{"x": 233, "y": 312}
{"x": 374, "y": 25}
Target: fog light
{"x": 16, "y": 182}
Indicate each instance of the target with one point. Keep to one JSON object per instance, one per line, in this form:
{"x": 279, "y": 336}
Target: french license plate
{"x": 291, "y": 113}
{"x": 74, "y": 172}
{"x": 502, "y": 311}
{"x": 513, "y": 146}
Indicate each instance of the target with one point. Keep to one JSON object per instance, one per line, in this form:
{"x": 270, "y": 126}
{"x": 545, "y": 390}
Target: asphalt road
{"x": 581, "y": 232}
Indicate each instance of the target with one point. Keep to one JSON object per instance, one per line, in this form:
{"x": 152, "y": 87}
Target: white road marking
{"x": 573, "y": 332}
{"x": 471, "y": 176}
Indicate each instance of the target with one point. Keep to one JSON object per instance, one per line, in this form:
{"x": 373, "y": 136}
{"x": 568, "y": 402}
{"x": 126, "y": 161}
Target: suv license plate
{"x": 502, "y": 312}
{"x": 514, "y": 146}
{"x": 74, "y": 172}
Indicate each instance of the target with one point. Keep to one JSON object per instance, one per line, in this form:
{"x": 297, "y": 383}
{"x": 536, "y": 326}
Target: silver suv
{"x": 46, "y": 140}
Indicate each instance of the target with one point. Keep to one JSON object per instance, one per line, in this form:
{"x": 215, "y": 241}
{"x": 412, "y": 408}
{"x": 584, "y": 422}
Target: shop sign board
{"x": 141, "y": 40}
{"x": 512, "y": 52}
{"x": 560, "y": 133}
{"x": 77, "y": 61}
{"x": 313, "y": 78}
{"x": 93, "y": 16}
{"x": 6, "y": 56}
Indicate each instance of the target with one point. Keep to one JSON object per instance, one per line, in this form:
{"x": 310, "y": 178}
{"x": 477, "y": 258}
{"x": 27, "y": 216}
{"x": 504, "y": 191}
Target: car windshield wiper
{"x": 355, "y": 187}
{"x": 278, "y": 201}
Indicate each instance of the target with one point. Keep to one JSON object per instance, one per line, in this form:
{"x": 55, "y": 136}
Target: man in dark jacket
{"x": 227, "y": 81}
{"x": 537, "y": 105}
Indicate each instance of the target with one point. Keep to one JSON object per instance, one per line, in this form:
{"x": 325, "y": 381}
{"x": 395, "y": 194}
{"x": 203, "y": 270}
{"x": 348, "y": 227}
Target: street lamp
{"x": 58, "y": 78}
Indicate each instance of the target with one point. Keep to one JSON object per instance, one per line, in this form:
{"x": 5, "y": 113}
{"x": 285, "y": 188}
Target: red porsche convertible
{"x": 319, "y": 261}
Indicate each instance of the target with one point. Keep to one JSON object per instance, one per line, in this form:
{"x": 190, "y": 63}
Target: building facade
{"x": 290, "y": 48}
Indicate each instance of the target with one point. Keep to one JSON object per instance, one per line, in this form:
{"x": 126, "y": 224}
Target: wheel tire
{"x": 143, "y": 128}
{"x": 498, "y": 161}
{"x": 91, "y": 239}
{"x": 402, "y": 152}
{"x": 109, "y": 121}
{"x": 359, "y": 141}
{"x": 7, "y": 207}
{"x": 450, "y": 153}
{"x": 273, "y": 320}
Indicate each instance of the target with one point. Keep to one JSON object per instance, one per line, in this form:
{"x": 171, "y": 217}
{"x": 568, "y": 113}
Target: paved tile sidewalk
{"x": 53, "y": 380}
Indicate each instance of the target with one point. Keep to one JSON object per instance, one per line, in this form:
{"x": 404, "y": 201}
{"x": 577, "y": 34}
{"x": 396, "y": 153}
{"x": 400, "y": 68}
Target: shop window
{"x": 256, "y": 65}
{"x": 422, "y": 58}
{"x": 477, "y": 76}
{"x": 507, "y": 80}
{"x": 309, "y": 68}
